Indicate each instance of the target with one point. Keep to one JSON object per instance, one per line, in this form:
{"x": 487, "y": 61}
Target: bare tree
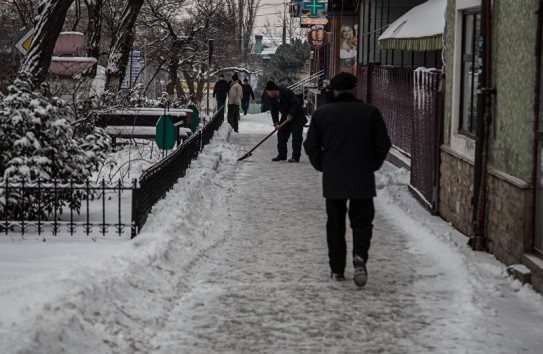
{"x": 121, "y": 46}
{"x": 162, "y": 18}
{"x": 27, "y": 10}
{"x": 243, "y": 15}
{"x": 94, "y": 32}
{"x": 37, "y": 60}
{"x": 288, "y": 27}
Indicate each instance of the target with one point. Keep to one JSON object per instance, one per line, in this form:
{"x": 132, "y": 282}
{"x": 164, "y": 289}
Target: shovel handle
{"x": 267, "y": 136}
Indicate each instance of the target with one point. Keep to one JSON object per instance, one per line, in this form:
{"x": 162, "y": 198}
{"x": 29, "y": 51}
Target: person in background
{"x": 285, "y": 106}
{"x": 220, "y": 90}
{"x": 234, "y": 99}
{"x": 248, "y": 94}
{"x": 348, "y": 141}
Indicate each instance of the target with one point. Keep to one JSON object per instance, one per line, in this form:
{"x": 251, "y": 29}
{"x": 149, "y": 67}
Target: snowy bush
{"x": 38, "y": 141}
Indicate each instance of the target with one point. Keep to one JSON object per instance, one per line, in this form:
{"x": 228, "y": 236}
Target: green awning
{"x": 415, "y": 44}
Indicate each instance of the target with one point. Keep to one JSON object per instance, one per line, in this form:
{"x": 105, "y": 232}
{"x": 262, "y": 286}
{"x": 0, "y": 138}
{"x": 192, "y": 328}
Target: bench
{"x": 141, "y": 123}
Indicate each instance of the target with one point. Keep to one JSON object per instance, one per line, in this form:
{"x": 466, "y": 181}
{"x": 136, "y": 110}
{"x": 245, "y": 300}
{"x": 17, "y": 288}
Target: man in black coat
{"x": 248, "y": 94}
{"x": 285, "y": 107}
{"x": 220, "y": 91}
{"x": 348, "y": 141}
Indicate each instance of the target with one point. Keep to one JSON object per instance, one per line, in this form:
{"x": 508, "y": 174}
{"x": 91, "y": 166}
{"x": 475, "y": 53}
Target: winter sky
{"x": 234, "y": 260}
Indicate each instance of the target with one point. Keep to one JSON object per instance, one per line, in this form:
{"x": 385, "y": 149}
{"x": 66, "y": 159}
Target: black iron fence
{"x": 410, "y": 102}
{"x": 111, "y": 208}
{"x": 99, "y": 206}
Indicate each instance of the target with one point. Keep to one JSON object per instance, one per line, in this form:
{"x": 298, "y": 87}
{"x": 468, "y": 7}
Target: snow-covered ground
{"x": 234, "y": 260}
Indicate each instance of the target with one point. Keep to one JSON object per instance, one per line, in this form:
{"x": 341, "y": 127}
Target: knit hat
{"x": 235, "y": 76}
{"x": 343, "y": 82}
{"x": 271, "y": 86}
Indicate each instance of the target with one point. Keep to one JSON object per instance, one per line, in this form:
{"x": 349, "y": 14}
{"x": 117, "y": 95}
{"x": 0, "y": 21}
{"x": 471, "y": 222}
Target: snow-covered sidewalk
{"x": 234, "y": 260}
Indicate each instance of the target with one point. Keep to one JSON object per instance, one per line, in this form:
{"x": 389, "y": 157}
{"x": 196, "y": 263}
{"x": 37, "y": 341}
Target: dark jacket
{"x": 265, "y": 104}
{"x": 287, "y": 104}
{"x": 347, "y": 140}
{"x": 247, "y": 92}
{"x": 221, "y": 89}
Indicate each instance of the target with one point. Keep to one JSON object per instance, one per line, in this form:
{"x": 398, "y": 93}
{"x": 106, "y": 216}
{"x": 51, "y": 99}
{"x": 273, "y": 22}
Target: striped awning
{"x": 419, "y": 29}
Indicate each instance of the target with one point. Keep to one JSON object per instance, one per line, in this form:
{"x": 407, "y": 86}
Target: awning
{"x": 419, "y": 29}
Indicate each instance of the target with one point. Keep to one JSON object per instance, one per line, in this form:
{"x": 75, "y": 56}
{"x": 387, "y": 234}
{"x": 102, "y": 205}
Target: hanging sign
{"x": 307, "y": 22}
{"x": 313, "y": 8}
{"x": 318, "y": 37}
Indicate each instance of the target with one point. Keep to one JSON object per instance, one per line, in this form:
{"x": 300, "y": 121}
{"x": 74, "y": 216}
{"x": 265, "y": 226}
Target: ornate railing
{"x": 115, "y": 208}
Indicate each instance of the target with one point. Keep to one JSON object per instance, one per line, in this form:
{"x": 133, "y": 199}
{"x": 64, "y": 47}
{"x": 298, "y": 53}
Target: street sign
{"x": 165, "y": 133}
{"x": 24, "y": 43}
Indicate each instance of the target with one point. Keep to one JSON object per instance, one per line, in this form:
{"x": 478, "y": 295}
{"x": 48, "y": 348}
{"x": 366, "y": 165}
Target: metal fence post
{"x": 135, "y": 212}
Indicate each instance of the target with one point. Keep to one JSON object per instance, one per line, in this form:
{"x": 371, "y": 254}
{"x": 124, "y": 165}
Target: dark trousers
{"x": 361, "y": 213}
{"x": 233, "y": 116}
{"x": 297, "y": 138}
{"x": 245, "y": 106}
{"x": 220, "y": 102}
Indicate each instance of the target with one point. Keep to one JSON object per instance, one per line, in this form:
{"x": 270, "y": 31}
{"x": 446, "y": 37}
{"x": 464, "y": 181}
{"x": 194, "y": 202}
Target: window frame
{"x": 467, "y": 118}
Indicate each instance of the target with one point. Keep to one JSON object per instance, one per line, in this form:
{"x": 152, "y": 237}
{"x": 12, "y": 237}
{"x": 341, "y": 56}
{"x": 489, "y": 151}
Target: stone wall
{"x": 456, "y": 189}
{"x": 509, "y": 218}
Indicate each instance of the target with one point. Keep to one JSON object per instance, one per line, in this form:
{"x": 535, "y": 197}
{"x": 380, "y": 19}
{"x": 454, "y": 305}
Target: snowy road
{"x": 235, "y": 261}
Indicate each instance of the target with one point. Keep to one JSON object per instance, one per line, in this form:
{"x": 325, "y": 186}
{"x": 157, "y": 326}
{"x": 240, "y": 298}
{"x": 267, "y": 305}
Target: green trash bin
{"x": 195, "y": 117}
{"x": 254, "y": 108}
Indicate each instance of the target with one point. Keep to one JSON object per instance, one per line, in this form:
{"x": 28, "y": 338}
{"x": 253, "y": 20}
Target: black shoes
{"x": 360, "y": 275}
{"x": 337, "y": 277}
{"x": 292, "y": 159}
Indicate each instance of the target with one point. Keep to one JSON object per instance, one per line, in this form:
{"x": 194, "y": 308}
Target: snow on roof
{"x": 418, "y": 29}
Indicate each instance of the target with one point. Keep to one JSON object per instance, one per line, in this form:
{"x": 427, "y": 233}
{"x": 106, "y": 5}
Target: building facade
{"x": 491, "y": 177}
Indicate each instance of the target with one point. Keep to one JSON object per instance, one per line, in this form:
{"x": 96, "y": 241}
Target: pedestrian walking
{"x": 284, "y": 105}
{"x": 348, "y": 141}
{"x": 234, "y": 99}
{"x": 220, "y": 90}
{"x": 248, "y": 94}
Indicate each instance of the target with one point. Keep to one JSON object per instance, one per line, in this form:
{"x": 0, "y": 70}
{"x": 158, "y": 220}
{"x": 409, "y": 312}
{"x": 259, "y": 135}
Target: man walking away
{"x": 220, "y": 90}
{"x": 247, "y": 95}
{"x": 347, "y": 141}
{"x": 234, "y": 99}
{"x": 283, "y": 102}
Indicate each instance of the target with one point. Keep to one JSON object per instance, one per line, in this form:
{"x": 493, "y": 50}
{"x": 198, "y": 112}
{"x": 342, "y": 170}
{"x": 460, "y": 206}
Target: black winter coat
{"x": 347, "y": 140}
{"x": 247, "y": 92}
{"x": 221, "y": 89}
{"x": 287, "y": 104}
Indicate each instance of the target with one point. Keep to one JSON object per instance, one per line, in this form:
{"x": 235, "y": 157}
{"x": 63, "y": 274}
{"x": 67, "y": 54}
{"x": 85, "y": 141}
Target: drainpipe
{"x": 537, "y": 93}
{"x": 484, "y": 119}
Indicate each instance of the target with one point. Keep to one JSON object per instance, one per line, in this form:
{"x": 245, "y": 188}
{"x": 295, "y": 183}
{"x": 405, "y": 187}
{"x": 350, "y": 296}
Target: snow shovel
{"x": 249, "y": 153}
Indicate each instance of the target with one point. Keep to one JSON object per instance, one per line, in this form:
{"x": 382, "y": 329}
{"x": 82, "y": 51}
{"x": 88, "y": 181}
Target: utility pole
{"x": 285, "y": 23}
{"x": 209, "y": 55}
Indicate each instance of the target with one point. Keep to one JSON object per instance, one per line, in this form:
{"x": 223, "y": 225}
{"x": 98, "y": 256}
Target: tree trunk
{"x": 122, "y": 45}
{"x": 173, "y": 67}
{"x": 94, "y": 30}
{"x": 38, "y": 59}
